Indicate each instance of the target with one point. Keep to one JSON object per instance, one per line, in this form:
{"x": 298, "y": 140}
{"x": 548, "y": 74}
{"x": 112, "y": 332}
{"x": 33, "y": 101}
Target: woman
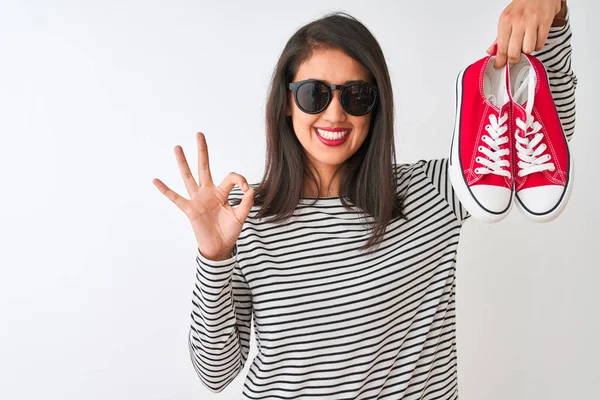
{"x": 345, "y": 259}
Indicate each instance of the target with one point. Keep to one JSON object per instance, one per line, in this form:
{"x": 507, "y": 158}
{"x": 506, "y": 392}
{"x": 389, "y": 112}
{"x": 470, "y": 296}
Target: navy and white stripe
{"x": 333, "y": 322}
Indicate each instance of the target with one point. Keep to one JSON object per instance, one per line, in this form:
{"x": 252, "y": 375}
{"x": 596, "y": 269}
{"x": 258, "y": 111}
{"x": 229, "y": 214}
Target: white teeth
{"x": 332, "y": 135}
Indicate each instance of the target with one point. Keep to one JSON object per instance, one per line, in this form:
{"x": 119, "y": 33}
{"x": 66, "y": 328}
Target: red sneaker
{"x": 481, "y": 144}
{"x": 543, "y": 167}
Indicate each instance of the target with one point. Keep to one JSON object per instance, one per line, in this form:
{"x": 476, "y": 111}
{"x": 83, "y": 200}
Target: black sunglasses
{"x": 313, "y": 96}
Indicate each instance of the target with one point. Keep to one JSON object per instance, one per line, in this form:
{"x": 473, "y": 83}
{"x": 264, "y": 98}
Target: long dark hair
{"x": 368, "y": 177}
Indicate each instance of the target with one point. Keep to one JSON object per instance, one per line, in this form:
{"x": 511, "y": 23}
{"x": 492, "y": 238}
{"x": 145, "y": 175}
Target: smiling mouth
{"x": 329, "y": 135}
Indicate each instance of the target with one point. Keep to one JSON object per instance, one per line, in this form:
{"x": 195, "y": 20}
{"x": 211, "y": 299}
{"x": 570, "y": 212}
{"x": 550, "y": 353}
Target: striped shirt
{"x": 333, "y": 322}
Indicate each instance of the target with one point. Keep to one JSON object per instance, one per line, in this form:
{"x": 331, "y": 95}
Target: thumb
{"x": 243, "y": 209}
{"x": 490, "y": 49}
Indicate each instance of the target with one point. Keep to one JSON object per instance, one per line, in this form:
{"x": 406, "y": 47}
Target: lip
{"x": 332, "y": 129}
{"x": 332, "y": 142}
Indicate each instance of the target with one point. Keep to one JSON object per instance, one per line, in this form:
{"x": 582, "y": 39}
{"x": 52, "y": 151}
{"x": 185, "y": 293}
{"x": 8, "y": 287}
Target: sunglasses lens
{"x": 359, "y": 98}
{"x": 312, "y": 96}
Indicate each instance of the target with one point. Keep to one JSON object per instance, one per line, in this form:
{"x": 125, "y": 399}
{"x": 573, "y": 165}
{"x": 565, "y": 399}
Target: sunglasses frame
{"x": 294, "y": 86}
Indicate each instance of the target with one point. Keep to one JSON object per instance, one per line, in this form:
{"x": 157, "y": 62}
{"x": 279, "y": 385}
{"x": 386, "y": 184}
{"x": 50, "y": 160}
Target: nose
{"x": 334, "y": 111}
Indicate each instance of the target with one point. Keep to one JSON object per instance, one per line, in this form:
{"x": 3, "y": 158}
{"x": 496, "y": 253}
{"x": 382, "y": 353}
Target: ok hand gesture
{"x": 216, "y": 224}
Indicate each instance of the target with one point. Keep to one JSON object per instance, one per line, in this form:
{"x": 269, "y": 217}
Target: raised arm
{"x": 556, "y": 57}
{"x": 555, "y": 54}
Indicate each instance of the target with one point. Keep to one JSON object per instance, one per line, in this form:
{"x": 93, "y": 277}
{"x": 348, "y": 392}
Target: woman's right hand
{"x": 216, "y": 224}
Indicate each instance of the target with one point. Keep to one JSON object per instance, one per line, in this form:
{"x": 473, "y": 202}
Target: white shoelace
{"x": 494, "y": 164}
{"x": 530, "y": 152}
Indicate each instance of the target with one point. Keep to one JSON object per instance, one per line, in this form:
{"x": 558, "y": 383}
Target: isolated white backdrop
{"x": 97, "y": 267}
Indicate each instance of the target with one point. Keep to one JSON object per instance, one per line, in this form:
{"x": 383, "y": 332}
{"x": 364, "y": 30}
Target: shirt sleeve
{"x": 219, "y": 337}
{"x": 556, "y": 57}
{"x": 437, "y": 173}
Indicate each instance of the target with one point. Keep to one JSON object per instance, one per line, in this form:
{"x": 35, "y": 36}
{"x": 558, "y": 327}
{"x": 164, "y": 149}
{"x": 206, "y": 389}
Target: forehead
{"x": 331, "y": 66}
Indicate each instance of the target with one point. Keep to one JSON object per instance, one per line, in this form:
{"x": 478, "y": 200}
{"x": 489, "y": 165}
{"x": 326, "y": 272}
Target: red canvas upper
{"x": 544, "y": 111}
{"x": 474, "y": 116}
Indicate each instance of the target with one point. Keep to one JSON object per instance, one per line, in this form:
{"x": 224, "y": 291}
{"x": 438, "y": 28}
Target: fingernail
{"x": 245, "y": 186}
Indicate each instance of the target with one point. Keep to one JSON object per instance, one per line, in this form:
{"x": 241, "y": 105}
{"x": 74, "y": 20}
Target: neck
{"x": 329, "y": 186}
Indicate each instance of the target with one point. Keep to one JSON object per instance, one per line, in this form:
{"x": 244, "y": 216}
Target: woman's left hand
{"x": 523, "y": 27}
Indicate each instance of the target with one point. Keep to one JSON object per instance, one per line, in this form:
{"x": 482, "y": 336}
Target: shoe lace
{"x": 493, "y": 162}
{"x": 530, "y": 151}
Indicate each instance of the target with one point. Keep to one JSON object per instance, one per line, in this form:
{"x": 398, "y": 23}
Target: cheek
{"x": 302, "y": 122}
{"x": 362, "y": 124}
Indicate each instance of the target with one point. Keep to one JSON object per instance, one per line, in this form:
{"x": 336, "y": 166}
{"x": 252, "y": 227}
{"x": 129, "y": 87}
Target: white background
{"x": 97, "y": 266}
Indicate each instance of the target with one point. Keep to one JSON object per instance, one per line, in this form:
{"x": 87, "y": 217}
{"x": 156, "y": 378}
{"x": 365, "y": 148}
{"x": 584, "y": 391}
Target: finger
{"x": 490, "y": 49}
{"x": 184, "y": 169}
{"x": 504, "y": 31}
{"x": 530, "y": 38}
{"x": 233, "y": 179}
{"x": 179, "y": 201}
{"x": 542, "y": 35}
{"x": 243, "y": 209}
{"x": 204, "y": 175}
{"x": 515, "y": 44}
